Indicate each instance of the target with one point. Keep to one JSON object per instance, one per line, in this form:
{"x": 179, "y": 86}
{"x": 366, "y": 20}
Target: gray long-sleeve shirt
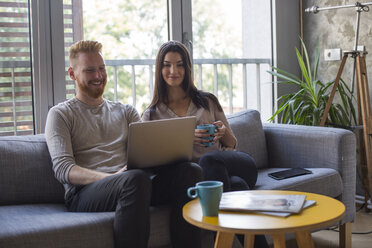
{"x": 91, "y": 137}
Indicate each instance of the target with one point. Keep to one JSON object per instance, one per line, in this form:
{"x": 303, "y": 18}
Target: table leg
{"x": 304, "y": 239}
{"x": 345, "y": 235}
{"x": 248, "y": 240}
{"x": 279, "y": 240}
{"x": 224, "y": 240}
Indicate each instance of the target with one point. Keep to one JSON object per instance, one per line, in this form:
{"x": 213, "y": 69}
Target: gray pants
{"x": 131, "y": 193}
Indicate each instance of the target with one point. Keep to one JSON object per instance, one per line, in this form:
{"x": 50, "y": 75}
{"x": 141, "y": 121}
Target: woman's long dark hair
{"x": 199, "y": 98}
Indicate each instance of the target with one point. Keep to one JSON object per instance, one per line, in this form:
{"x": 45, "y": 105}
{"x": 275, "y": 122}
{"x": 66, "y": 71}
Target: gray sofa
{"x": 32, "y": 213}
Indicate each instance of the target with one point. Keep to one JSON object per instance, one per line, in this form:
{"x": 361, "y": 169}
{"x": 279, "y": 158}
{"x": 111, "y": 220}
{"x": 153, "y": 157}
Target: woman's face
{"x": 173, "y": 69}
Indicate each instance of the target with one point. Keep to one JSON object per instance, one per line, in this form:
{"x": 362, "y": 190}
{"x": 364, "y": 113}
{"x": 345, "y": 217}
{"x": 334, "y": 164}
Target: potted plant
{"x": 307, "y": 105}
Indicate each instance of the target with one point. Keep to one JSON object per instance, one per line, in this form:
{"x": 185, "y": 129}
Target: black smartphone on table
{"x": 293, "y": 172}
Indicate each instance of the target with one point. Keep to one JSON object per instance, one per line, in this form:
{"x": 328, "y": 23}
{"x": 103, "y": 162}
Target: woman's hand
{"x": 199, "y": 135}
{"x": 225, "y": 135}
{"x": 203, "y": 133}
{"x": 220, "y": 130}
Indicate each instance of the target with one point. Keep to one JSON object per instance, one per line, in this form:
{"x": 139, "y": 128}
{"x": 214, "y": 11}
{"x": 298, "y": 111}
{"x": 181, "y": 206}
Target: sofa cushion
{"x": 52, "y": 226}
{"x": 324, "y": 181}
{"x": 26, "y": 171}
{"x": 247, "y": 127}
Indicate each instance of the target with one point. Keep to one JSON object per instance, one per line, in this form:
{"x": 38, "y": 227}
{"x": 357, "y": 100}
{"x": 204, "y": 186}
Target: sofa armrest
{"x": 315, "y": 147}
{"x": 309, "y": 146}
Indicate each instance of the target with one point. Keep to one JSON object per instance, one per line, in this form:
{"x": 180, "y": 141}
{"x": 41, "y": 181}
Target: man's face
{"x": 89, "y": 72}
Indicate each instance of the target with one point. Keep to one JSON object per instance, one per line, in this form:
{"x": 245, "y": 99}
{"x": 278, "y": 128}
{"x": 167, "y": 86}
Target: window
{"x": 16, "y": 112}
{"x": 131, "y": 33}
{"x": 231, "y": 53}
{"x": 227, "y": 65}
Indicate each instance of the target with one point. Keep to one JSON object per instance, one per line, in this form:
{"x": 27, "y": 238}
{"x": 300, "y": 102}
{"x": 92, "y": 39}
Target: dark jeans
{"x": 238, "y": 171}
{"x": 131, "y": 193}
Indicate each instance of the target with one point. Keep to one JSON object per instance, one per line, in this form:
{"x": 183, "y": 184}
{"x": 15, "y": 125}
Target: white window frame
{"x": 180, "y": 29}
{"x": 41, "y": 69}
{"x": 48, "y": 64}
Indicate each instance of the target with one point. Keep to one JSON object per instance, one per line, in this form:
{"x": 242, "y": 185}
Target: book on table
{"x": 247, "y": 201}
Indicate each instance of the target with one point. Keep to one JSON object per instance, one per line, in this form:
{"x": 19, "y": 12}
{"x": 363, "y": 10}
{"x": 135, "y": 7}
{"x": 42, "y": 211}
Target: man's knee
{"x": 138, "y": 177}
{"x": 135, "y": 181}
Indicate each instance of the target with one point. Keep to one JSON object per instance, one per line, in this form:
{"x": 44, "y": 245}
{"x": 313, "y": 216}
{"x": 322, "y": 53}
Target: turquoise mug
{"x": 211, "y": 130}
{"x": 209, "y": 194}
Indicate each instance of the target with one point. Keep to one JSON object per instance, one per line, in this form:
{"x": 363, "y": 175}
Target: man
{"x": 87, "y": 140}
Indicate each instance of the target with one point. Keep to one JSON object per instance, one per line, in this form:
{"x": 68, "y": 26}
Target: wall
{"x": 336, "y": 29}
{"x": 286, "y": 32}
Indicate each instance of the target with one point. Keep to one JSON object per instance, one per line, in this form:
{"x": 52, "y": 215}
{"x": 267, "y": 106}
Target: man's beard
{"x": 92, "y": 92}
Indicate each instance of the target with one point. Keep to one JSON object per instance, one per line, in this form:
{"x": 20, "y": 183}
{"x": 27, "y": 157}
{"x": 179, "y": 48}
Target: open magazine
{"x": 247, "y": 201}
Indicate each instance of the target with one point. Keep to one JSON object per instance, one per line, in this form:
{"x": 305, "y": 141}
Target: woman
{"x": 175, "y": 95}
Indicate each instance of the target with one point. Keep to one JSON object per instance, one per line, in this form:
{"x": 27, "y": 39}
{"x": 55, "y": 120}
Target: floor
{"x": 361, "y": 237}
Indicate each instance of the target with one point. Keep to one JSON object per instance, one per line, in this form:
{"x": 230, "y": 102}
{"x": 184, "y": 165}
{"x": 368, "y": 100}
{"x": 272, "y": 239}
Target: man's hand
{"x": 84, "y": 176}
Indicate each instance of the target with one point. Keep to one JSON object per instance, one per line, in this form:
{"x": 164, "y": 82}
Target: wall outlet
{"x": 361, "y": 48}
{"x": 332, "y": 54}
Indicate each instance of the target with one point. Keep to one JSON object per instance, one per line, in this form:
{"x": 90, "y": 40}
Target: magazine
{"x": 249, "y": 201}
{"x": 308, "y": 203}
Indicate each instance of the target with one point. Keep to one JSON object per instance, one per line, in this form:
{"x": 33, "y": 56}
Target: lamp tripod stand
{"x": 363, "y": 99}
{"x": 365, "y": 117}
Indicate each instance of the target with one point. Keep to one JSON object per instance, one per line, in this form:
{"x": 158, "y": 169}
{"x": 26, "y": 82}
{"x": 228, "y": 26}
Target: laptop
{"x": 160, "y": 142}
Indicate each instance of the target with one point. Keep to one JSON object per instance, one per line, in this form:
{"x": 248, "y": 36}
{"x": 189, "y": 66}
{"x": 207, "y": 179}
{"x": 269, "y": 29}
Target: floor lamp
{"x": 363, "y": 99}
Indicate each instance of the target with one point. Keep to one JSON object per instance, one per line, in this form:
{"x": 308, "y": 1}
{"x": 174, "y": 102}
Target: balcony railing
{"x": 198, "y": 66}
{"x": 16, "y": 96}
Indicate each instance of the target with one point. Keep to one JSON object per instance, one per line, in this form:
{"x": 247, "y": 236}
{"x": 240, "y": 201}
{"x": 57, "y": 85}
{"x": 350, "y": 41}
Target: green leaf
{"x": 302, "y": 67}
{"x": 307, "y": 60}
{"x": 316, "y": 63}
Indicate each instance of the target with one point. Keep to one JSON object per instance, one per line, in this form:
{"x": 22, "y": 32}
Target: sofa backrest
{"x": 247, "y": 127}
{"x": 26, "y": 174}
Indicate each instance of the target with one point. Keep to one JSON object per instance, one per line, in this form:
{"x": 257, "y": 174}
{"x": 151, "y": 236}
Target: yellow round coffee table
{"x": 325, "y": 212}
